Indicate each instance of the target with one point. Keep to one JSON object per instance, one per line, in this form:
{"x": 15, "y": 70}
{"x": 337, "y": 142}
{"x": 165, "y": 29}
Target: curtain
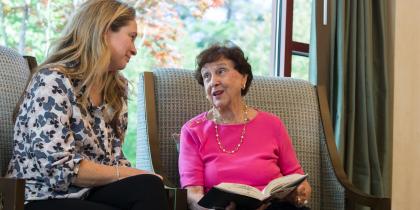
{"x": 354, "y": 68}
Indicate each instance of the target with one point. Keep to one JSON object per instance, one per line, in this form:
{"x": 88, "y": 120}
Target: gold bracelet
{"x": 118, "y": 172}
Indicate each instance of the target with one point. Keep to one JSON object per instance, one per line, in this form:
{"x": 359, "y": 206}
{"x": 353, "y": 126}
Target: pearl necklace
{"x": 221, "y": 147}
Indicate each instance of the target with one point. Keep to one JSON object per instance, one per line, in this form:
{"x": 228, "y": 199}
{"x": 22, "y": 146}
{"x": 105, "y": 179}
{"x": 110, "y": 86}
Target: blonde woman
{"x": 71, "y": 123}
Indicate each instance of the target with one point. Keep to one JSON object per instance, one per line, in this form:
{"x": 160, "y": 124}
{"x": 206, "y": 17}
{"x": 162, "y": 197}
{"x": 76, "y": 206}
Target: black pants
{"x": 285, "y": 206}
{"x": 142, "y": 192}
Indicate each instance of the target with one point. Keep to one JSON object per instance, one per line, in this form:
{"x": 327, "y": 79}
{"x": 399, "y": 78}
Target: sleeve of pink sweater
{"x": 190, "y": 163}
{"x": 287, "y": 160}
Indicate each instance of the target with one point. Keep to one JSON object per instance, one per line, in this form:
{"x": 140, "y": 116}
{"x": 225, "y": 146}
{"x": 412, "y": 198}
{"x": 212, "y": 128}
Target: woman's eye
{"x": 222, "y": 70}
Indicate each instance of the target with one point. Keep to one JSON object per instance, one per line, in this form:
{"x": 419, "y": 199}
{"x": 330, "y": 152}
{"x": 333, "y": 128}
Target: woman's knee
{"x": 148, "y": 185}
{"x": 147, "y": 180}
{"x": 151, "y": 192}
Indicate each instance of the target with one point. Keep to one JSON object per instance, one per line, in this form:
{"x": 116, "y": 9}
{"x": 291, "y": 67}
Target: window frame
{"x": 283, "y": 46}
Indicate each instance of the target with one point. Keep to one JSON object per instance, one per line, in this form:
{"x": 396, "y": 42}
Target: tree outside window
{"x": 171, "y": 34}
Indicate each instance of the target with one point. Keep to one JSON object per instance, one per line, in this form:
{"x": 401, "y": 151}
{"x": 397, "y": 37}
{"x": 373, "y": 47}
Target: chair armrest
{"x": 355, "y": 196}
{"x": 12, "y": 194}
{"x": 177, "y": 198}
{"x": 352, "y": 194}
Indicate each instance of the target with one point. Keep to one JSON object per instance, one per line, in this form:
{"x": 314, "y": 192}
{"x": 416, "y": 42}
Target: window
{"x": 187, "y": 27}
{"x": 292, "y": 40}
{"x": 184, "y": 28}
{"x": 172, "y": 33}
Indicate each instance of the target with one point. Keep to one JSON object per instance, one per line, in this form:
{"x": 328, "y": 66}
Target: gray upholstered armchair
{"x": 14, "y": 74}
{"x": 167, "y": 98}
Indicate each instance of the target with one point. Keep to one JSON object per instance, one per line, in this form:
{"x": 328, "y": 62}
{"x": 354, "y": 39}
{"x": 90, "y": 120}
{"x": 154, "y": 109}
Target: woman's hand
{"x": 194, "y": 194}
{"x": 301, "y": 195}
{"x": 231, "y": 206}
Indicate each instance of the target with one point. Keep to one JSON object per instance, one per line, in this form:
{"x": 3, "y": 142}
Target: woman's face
{"x": 122, "y": 46}
{"x": 222, "y": 82}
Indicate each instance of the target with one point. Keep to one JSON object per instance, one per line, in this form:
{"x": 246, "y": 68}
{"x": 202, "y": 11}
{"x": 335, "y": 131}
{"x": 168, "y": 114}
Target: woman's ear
{"x": 245, "y": 79}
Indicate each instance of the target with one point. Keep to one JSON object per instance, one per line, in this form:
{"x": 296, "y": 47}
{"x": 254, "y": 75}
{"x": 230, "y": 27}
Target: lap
{"x": 67, "y": 204}
{"x": 285, "y": 206}
{"x": 144, "y": 190}
{"x": 135, "y": 193}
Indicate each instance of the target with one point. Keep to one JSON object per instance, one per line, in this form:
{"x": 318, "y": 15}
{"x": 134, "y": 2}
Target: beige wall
{"x": 406, "y": 124}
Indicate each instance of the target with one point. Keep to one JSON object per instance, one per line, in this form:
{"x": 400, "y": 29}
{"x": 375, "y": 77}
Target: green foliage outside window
{"x": 171, "y": 34}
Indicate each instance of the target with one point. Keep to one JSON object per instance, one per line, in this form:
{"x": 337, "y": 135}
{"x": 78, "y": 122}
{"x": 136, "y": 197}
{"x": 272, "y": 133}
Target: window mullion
{"x": 299, "y": 48}
{"x": 288, "y": 38}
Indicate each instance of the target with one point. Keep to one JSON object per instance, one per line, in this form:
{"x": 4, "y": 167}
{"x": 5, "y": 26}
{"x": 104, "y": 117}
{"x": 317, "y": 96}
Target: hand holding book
{"x": 248, "y": 197}
{"x": 301, "y": 195}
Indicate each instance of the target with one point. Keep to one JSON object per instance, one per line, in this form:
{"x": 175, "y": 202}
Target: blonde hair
{"x": 83, "y": 43}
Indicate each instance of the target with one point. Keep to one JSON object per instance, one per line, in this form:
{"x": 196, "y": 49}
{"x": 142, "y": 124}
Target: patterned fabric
{"x": 179, "y": 98}
{"x": 14, "y": 73}
{"x": 53, "y": 133}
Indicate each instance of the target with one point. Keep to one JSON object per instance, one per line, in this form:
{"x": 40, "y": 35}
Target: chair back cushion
{"x": 179, "y": 98}
{"x": 14, "y": 73}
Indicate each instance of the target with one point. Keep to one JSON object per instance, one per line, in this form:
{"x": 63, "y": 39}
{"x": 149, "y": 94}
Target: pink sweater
{"x": 266, "y": 152}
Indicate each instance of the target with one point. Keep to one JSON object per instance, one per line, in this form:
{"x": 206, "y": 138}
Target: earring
{"x": 243, "y": 88}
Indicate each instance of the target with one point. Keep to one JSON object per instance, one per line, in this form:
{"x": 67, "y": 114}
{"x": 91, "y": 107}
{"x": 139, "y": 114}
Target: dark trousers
{"x": 142, "y": 192}
{"x": 285, "y": 206}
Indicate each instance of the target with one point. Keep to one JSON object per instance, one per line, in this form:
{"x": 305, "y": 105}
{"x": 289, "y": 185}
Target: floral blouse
{"x": 53, "y": 134}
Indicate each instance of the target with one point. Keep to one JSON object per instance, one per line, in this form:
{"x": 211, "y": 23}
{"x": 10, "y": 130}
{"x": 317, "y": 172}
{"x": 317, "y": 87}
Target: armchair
{"x": 167, "y": 98}
{"x": 14, "y": 74}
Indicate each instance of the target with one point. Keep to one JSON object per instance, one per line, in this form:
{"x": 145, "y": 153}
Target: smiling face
{"x": 122, "y": 46}
{"x": 223, "y": 83}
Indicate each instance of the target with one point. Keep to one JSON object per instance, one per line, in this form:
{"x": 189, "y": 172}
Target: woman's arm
{"x": 289, "y": 164}
{"x": 91, "y": 174}
{"x": 194, "y": 194}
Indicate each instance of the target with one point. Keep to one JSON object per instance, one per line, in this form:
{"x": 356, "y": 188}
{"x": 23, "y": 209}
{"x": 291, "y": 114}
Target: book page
{"x": 284, "y": 182}
{"x": 283, "y": 192}
{"x": 241, "y": 189}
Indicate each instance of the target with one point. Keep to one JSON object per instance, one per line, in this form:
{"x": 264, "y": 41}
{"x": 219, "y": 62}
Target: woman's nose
{"x": 214, "y": 81}
{"x": 134, "y": 50}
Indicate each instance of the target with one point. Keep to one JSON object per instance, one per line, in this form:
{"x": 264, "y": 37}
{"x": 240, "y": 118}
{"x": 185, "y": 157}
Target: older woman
{"x": 231, "y": 141}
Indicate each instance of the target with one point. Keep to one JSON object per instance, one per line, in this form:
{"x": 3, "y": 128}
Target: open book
{"x": 248, "y": 197}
